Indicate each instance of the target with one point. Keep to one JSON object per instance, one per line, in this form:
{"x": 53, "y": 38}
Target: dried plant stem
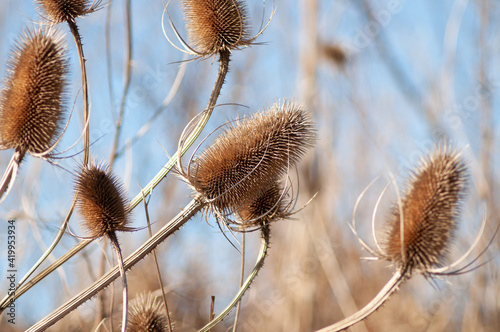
{"x": 119, "y": 257}
{"x": 86, "y": 112}
{"x": 19, "y": 291}
{"x": 158, "y": 273}
{"x": 242, "y": 276}
{"x": 189, "y": 211}
{"x": 258, "y": 265}
{"x": 392, "y": 286}
{"x": 128, "y": 71}
{"x": 10, "y": 174}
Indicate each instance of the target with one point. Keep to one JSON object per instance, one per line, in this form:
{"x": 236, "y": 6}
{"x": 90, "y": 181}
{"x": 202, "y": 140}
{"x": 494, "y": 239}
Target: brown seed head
{"x": 335, "y": 53}
{"x": 430, "y": 209}
{"x": 31, "y": 101}
{"x": 147, "y": 316}
{"x": 216, "y": 25}
{"x": 265, "y": 206}
{"x": 250, "y": 155}
{"x": 101, "y": 201}
{"x": 59, "y": 11}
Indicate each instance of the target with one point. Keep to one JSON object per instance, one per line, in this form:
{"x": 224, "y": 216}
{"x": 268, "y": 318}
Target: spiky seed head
{"x": 431, "y": 207}
{"x": 147, "y": 316}
{"x": 265, "y": 206}
{"x": 251, "y": 154}
{"x": 31, "y": 103}
{"x": 101, "y": 201}
{"x": 216, "y": 25}
{"x": 59, "y": 11}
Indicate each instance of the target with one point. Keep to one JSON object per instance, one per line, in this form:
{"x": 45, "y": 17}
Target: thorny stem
{"x": 258, "y": 265}
{"x": 128, "y": 68}
{"x": 158, "y": 273}
{"x": 86, "y": 138}
{"x": 189, "y": 211}
{"x": 119, "y": 257}
{"x": 223, "y": 69}
{"x": 392, "y": 286}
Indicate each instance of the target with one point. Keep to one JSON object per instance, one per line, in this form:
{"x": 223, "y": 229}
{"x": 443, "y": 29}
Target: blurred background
{"x": 385, "y": 81}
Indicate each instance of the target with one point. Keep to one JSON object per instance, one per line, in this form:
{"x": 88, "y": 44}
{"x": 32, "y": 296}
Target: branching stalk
{"x": 189, "y": 211}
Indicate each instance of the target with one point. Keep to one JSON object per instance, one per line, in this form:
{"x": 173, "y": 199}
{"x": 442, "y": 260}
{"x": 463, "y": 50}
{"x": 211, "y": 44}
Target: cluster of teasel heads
{"x": 240, "y": 172}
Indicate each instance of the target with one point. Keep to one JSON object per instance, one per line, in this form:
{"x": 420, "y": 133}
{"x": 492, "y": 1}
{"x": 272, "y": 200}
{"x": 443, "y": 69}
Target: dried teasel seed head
{"x": 431, "y": 207}
{"x": 263, "y": 207}
{"x": 334, "y": 53}
{"x": 250, "y": 155}
{"x": 147, "y": 316}
{"x": 31, "y": 103}
{"x": 59, "y": 11}
{"x": 216, "y": 25}
{"x": 101, "y": 201}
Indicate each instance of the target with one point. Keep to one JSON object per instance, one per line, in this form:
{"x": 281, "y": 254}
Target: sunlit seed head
{"x": 101, "y": 201}
{"x": 431, "y": 208}
{"x": 147, "y": 315}
{"x": 216, "y": 25}
{"x": 263, "y": 207}
{"x": 59, "y": 11}
{"x": 251, "y": 154}
{"x": 31, "y": 103}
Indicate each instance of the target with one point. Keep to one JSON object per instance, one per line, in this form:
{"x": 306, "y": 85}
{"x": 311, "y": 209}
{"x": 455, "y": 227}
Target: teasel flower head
{"x": 248, "y": 156}
{"x": 428, "y": 213}
{"x": 147, "y": 315}
{"x": 421, "y": 227}
{"x": 215, "y": 26}
{"x": 101, "y": 201}
{"x": 269, "y": 204}
{"x": 59, "y": 11}
{"x": 34, "y": 93}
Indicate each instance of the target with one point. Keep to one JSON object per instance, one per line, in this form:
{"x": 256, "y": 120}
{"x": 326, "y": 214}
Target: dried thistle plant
{"x": 103, "y": 207}
{"x": 249, "y": 155}
{"x": 421, "y": 227}
{"x": 32, "y": 100}
{"x": 146, "y": 315}
{"x": 216, "y": 25}
{"x": 59, "y": 11}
